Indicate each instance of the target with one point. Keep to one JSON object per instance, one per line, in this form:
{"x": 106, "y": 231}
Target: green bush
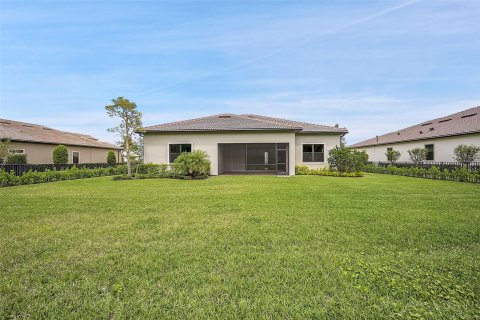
{"x": 461, "y": 174}
{"x": 466, "y": 153}
{"x": 60, "y": 154}
{"x": 393, "y": 155}
{"x": 192, "y": 164}
{"x": 31, "y": 177}
{"x": 17, "y": 159}
{"x": 343, "y": 159}
{"x": 303, "y": 170}
{"x": 111, "y": 159}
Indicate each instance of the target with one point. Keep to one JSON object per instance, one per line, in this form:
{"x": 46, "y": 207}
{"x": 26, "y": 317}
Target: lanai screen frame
{"x": 279, "y": 165}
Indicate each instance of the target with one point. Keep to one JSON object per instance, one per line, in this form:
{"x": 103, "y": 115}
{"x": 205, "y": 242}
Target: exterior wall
{"x": 329, "y": 140}
{"x": 156, "y": 145}
{"x": 442, "y": 147}
{"x": 41, "y": 153}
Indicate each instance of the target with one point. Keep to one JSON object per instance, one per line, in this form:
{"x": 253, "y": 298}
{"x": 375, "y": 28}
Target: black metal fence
{"x": 471, "y": 166}
{"x": 20, "y": 169}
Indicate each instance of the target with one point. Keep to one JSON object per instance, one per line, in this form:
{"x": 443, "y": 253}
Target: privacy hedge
{"x": 31, "y": 177}
{"x": 301, "y": 170}
{"x": 461, "y": 174}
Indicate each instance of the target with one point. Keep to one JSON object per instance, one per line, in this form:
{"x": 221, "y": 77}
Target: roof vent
{"x": 469, "y": 115}
{"x": 27, "y": 125}
{"x": 431, "y": 129}
{"x": 44, "y": 128}
{"x": 421, "y": 132}
{"x": 444, "y": 120}
{"x": 398, "y": 133}
{"x": 224, "y": 116}
{"x": 426, "y": 124}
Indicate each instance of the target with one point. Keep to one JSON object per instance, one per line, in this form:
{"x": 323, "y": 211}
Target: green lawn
{"x": 241, "y": 247}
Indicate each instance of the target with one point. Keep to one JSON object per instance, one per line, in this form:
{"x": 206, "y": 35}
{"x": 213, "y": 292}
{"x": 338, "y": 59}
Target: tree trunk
{"x": 129, "y": 165}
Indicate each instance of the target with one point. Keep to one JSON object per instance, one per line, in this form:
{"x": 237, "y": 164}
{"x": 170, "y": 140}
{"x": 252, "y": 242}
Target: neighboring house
{"x": 439, "y": 136}
{"x": 38, "y": 142}
{"x": 243, "y": 144}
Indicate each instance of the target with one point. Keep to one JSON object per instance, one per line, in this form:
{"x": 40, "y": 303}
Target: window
{"x": 313, "y": 153}
{"x": 76, "y": 157}
{"x": 430, "y": 153}
{"x": 16, "y": 151}
{"x": 174, "y": 150}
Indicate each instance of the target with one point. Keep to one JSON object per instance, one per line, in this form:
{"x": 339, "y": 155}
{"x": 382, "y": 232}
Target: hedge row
{"x": 31, "y": 177}
{"x": 302, "y": 170}
{"x": 460, "y": 174}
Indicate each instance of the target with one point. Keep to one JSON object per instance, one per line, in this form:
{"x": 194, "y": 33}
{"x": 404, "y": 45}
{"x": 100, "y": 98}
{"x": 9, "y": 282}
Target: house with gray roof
{"x": 243, "y": 143}
{"x": 38, "y": 142}
{"x": 439, "y": 136}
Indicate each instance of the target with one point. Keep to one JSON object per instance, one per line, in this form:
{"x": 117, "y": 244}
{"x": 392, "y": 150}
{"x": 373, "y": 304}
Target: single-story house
{"x": 38, "y": 142}
{"x": 244, "y": 144}
{"x": 439, "y": 136}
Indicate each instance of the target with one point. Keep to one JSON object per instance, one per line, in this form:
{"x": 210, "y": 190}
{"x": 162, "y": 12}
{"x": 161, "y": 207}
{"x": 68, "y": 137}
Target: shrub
{"x": 418, "y": 155}
{"x": 343, "y": 159}
{"x": 111, "y": 159}
{"x": 393, "y": 155}
{"x": 460, "y": 174}
{"x": 303, "y": 170}
{"x": 60, "y": 154}
{"x": 192, "y": 164}
{"x": 17, "y": 159}
{"x": 465, "y": 153}
{"x": 31, "y": 177}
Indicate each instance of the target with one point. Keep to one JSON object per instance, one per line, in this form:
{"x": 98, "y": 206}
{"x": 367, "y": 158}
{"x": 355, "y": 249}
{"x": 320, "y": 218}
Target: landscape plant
{"x": 461, "y": 174}
{"x": 303, "y": 170}
{"x": 418, "y": 155}
{"x": 343, "y": 159}
{"x": 111, "y": 158}
{"x": 466, "y": 153}
{"x": 19, "y": 158}
{"x": 393, "y": 155}
{"x": 130, "y": 121}
{"x": 5, "y": 146}
{"x": 193, "y": 164}
{"x": 60, "y": 155}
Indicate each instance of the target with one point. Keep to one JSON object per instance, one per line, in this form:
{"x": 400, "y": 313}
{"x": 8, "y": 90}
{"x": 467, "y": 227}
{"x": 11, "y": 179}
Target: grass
{"x": 241, "y": 247}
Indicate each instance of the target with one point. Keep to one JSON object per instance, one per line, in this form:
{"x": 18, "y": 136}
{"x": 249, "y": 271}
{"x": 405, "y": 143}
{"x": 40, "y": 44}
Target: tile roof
{"x": 241, "y": 122}
{"x": 464, "y": 122}
{"x": 21, "y": 131}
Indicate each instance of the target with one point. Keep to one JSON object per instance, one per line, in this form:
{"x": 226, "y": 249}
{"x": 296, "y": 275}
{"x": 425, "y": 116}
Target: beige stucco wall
{"x": 443, "y": 147}
{"x": 156, "y": 145}
{"x": 40, "y": 153}
{"x": 330, "y": 141}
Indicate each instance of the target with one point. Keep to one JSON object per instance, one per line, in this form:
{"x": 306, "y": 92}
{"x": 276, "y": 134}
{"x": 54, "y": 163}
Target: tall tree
{"x": 5, "y": 146}
{"x": 130, "y": 120}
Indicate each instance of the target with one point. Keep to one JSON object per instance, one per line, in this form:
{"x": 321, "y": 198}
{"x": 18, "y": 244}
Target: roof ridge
{"x": 189, "y": 120}
{"x": 263, "y": 118}
{"x": 299, "y": 122}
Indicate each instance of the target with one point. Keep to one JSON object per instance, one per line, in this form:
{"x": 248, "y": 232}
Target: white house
{"x": 244, "y": 144}
{"x": 439, "y": 136}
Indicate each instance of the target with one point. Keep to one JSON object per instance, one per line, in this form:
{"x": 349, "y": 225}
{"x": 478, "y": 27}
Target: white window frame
{"x": 168, "y": 149}
{"x": 78, "y": 157}
{"x": 10, "y": 151}
{"x": 312, "y": 143}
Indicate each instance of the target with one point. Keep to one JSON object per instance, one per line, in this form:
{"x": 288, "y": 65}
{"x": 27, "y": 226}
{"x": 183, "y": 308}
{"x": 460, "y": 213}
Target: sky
{"x": 370, "y": 66}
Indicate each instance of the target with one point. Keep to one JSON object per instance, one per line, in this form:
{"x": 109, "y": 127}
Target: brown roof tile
{"x": 464, "y": 122}
{"x": 241, "y": 122}
{"x": 22, "y": 131}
